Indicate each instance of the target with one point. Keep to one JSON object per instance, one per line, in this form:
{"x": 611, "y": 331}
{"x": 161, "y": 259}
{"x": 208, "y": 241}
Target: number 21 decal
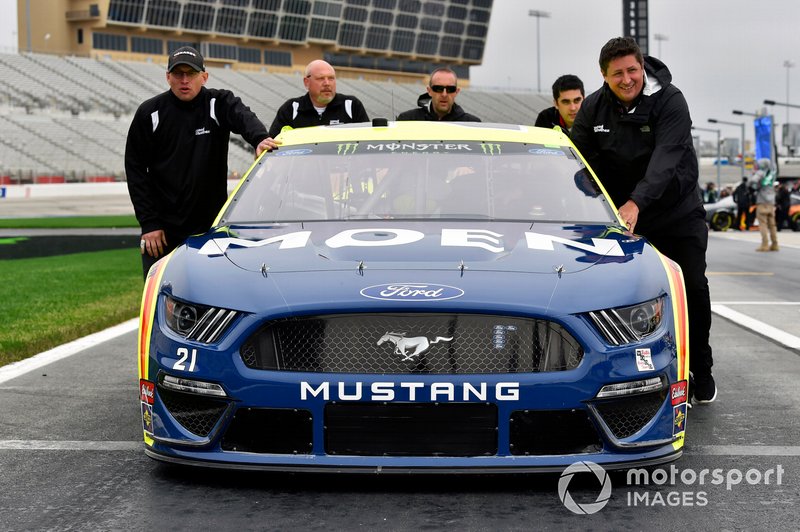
{"x": 184, "y": 355}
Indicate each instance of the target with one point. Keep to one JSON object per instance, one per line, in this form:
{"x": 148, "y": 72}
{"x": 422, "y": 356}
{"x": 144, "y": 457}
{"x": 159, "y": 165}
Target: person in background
{"x": 741, "y": 195}
{"x": 636, "y": 133}
{"x": 763, "y": 182}
{"x": 710, "y": 195}
{"x": 321, "y": 105}
{"x": 568, "y": 94}
{"x": 176, "y": 155}
{"x": 783, "y": 200}
{"x": 439, "y": 100}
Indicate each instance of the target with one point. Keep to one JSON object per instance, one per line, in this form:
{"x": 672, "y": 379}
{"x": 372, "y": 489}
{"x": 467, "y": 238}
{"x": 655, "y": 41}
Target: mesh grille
{"x": 412, "y": 343}
{"x": 541, "y": 432}
{"x": 421, "y": 429}
{"x": 625, "y": 417}
{"x": 196, "y": 414}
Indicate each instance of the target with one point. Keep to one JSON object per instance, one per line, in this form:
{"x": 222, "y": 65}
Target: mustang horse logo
{"x": 416, "y": 345}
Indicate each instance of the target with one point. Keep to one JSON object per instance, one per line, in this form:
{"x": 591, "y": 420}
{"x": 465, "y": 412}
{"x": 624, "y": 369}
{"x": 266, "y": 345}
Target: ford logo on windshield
{"x": 412, "y": 292}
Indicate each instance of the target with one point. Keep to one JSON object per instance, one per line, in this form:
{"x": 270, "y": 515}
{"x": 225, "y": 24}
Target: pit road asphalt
{"x": 72, "y": 457}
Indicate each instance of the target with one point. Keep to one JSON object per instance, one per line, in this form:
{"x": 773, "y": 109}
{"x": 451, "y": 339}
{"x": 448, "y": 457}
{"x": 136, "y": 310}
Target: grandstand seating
{"x": 69, "y": 116}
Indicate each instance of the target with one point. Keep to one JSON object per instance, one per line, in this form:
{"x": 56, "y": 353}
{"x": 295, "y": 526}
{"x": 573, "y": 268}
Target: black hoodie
{"x": 423, "y": 112}
{"x": 645, "y": 154}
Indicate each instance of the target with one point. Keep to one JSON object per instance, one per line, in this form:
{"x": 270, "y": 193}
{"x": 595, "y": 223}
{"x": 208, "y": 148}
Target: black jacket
{"x": 300, "y": 112}
{"x": 646, "y": 155}
{"x": 176, "y": 158}
{"x": 551, "y": 118}
{"x": 423, "y": 112}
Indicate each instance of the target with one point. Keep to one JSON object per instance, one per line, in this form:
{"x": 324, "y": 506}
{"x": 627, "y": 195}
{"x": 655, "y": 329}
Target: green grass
{"x": 68, "y": 222}
{"x": 52, "y": 300}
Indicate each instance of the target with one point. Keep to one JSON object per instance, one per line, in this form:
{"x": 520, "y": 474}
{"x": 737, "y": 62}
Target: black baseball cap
{"x": 186, "y": 55}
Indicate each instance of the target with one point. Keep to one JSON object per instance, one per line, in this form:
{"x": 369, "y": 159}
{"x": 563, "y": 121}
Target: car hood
{"x": 487, "y": 264}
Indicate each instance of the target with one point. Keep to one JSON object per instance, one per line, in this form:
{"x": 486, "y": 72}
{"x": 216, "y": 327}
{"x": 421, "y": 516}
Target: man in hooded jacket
{"x": 439, "y": 102}
{"x": 635, "y": 133}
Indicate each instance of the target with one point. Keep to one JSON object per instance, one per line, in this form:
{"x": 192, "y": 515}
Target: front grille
{"x": 628, "y": 415}
{"x": 552, "y": 432}
{"x": 195, "y": 413}
{"x": 411, "y": 429}
{"x": 269, "y": 430}
{"x": 412, "y": 343}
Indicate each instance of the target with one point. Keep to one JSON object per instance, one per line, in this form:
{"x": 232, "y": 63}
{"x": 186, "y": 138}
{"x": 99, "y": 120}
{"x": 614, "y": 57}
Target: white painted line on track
{"x": 770, "y": 303}
{"x": 63, "y": 351}
{"x": 49, "y": 445}
{"x": 76, "y": 445}
{"x": 743, "y": 450}
{"x": 759, "y": 327}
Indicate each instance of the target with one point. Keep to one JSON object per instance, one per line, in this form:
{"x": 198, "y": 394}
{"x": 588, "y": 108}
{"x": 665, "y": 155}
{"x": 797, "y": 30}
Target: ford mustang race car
{"x": 415, "y": 296}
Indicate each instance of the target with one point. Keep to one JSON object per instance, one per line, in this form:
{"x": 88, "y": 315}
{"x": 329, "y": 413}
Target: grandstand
{"x": 67, "y": 118}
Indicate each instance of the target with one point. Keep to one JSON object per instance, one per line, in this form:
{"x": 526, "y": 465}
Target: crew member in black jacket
{"x": 321, "y": 105}
{"x": 635, "y": 132}
{"x": 568, "y": 94}
{"x": 176, "y": 157}
{"x": 439, "y": 102}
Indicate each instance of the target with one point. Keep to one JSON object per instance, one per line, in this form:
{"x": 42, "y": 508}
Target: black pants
{"x": 686, "y": 243}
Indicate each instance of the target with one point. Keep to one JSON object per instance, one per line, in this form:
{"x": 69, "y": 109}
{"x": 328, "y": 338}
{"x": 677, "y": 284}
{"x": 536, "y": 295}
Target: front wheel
{"x": 721, "y": 221}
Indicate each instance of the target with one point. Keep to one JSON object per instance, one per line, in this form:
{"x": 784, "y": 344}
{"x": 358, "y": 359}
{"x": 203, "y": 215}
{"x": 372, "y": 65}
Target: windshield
{"x": 419, "y": 180}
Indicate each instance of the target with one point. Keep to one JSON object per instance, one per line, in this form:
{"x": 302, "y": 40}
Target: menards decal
{"x": 476, "y": 238}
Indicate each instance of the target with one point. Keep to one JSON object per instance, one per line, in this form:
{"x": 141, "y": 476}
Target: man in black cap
{"x": 176, "y": 158}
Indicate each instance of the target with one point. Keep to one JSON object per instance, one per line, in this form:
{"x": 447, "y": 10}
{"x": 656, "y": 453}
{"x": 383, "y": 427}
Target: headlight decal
{"x": 147, "y": 315}
{"x": 679, "y": 312}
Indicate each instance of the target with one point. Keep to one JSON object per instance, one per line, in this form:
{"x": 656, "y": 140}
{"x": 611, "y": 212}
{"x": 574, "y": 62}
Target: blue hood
{"x": 490, "y": 266}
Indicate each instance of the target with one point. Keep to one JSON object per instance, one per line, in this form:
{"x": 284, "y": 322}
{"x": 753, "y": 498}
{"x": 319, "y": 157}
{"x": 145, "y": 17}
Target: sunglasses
{"x": 441, "y": 88}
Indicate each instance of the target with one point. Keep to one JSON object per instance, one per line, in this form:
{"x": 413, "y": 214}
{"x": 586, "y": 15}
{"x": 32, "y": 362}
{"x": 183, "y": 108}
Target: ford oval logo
{"x": 412, "y": 292}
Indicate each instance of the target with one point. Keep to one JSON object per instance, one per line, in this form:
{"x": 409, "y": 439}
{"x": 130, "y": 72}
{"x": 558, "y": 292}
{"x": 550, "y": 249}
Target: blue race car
{"x": 415, "y": 296}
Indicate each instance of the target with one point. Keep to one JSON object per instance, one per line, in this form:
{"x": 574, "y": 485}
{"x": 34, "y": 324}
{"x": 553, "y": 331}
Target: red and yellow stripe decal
{"x": 679, "y": 313}
{"x": 147, "y": 315}
{"x": 681, "y": 320}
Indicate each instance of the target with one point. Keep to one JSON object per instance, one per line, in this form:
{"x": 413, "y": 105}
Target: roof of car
{"x": 414, "y": 130}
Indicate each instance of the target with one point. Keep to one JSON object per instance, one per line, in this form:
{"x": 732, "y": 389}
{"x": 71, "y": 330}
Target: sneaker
{"x": 705, "y": 389}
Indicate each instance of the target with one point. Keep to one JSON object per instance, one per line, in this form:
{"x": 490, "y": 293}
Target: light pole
{"x": 660, "y": 37}
{"x": 786, "y": 129}
{"x": 539, "y": 15}
{"x": 740, "y": 124}
{"x": 719, "y": 155}
{"x": 788, "y": 64}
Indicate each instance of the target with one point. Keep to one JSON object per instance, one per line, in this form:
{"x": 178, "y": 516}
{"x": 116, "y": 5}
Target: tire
{"x": 794, "y": 222}
{"x": 721, "y": 221}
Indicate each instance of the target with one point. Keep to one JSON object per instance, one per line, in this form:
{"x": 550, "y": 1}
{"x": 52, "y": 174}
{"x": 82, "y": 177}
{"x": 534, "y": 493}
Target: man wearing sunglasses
{"x": 439, "y": 102}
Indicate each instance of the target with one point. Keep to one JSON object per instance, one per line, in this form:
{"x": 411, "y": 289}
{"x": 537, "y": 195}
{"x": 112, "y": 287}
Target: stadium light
{"x": 773, "y": 102}
{"x": 740, "y": 124}
{"x": 539, "y": 15}
{"x": 719, "y": 155}
{"x": 740, "y": 113}
{"x": 787, "y": 64}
